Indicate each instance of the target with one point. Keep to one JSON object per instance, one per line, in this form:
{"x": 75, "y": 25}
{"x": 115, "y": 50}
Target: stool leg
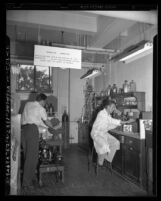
{"x": 96, "y": 167}
{"x": 89, "y": 159}
{"x": 40, "y": 179}
{"x": 63, "y": 176}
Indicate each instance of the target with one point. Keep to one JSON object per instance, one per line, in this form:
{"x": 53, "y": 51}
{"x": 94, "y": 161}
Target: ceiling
{"x": 108, "y": 30}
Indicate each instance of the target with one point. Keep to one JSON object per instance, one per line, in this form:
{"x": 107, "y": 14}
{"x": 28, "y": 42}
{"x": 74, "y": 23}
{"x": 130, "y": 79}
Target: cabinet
{"x": 129, "y": 161}
{"x": 83, "y": 133}
{"x": 149, "y": 162}
{"x": 123, "y": 100}
{"x": 117, "y": 162}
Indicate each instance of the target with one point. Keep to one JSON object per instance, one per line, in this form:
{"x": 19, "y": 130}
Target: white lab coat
{"x": 103, "y": 141}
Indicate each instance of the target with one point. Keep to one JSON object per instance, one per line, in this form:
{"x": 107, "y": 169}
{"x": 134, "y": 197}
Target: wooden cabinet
{"x": 149, "y": 162}
{"x": 129, "y": 161}
{"x": 83, "y": 133}
{"x": 117, "y": 162}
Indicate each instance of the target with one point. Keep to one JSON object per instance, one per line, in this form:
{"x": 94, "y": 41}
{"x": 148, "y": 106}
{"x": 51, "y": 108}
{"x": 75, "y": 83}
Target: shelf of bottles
{"x": 123, "y": 97}
{"x": 49, "y": 109}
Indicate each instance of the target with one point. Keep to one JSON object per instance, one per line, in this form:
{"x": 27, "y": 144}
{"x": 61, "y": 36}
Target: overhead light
{"x": 91, "y": 73}
{"x": 129, "y": 60}
{"x": 134, "y": 52}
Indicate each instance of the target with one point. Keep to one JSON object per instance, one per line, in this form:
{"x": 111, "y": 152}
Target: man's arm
{"x": 49, "y": 124}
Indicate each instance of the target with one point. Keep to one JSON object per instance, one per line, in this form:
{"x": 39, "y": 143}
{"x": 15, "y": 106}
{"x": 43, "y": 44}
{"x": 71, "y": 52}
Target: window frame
{"x": 49, "y": 90}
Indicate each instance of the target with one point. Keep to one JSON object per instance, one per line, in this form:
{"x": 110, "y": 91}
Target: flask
{"x": 47, "y": 108}
{"x": 126, "y": 86}
{"x": 102, "y": 93}
{"x": 65, "y": 116}
{"x": 132, "y": 86}
{"x": 51, "y": 109}
{"x": 65, "y": 127}
{"x": 114, "y": 89}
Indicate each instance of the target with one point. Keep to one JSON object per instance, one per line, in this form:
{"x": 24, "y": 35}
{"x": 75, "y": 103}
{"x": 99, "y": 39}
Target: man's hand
{"x": 128, "y": 121}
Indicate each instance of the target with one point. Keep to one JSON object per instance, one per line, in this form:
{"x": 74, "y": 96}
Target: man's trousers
{"x": 30, "y": 144}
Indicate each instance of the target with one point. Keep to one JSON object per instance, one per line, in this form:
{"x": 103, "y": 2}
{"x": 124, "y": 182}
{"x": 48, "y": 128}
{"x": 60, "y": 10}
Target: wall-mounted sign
{"x": 57, "y": 57}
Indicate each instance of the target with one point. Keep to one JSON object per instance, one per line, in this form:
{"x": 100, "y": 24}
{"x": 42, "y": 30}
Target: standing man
{"x": 34, "y": 115}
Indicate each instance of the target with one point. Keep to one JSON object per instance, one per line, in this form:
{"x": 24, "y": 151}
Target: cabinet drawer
{"x": 132, "y": 143}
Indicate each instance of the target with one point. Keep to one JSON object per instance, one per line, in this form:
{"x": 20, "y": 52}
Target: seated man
{"x": 104, "y": 143}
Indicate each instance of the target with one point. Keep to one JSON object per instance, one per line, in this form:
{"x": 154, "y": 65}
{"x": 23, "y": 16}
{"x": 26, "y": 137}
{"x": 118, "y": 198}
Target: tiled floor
{"x": 80, "y": 182}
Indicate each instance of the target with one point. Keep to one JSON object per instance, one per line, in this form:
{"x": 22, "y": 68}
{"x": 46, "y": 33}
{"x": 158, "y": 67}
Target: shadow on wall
{"x": 32, "y": 97}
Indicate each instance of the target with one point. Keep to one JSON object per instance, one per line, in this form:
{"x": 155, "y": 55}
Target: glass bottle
{"x": 65, "y": 116}
{"x": 114, "y": 89}
{"x": 102, "y": 93}
{"x": 126, "y": 86}
{"x": 51, "y": 109}
{"x": 108, "y": 91}
{"x": 132, "y": 86}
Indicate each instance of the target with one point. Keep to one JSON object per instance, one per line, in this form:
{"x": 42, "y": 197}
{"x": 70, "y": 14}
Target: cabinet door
{"x": 117, "y": 162}
{"x": 131, "y": 163}
{"x": 83, "y": 133}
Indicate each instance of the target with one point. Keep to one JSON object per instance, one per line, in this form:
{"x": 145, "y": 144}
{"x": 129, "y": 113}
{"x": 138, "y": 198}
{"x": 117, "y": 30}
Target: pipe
{"x": 138, "y": 16}
{"x": 87, "y": 49}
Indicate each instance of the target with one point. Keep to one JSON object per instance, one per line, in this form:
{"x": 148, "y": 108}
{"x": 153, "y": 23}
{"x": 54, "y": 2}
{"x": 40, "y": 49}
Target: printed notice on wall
{"x": 57, "y": 57}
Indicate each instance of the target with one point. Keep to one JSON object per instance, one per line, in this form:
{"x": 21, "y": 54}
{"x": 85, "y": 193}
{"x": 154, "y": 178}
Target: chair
{"x": 93, "y": 160}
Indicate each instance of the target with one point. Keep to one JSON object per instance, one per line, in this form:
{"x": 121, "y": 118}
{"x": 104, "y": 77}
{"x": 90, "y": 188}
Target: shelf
{"x": 127, "y": 107}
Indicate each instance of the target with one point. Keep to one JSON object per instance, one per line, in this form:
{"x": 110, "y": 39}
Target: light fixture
{"x": 137, "y": 56}
{"x": 134, "y": 52}
{"x": 91, "y": 73}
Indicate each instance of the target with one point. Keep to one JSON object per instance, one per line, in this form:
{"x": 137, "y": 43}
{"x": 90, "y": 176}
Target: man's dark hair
{"x": 40, "y": 97}
{"x": 107, "y": 102}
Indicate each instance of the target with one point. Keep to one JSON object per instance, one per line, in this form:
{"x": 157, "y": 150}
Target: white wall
{"x": 70, "y": 95}
{"x": 60, "y": 89}
{"x": 76, "y": 101}
{"x": 141, "y": 71}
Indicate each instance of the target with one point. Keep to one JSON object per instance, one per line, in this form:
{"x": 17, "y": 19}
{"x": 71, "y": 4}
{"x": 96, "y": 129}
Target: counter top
{"x": 133, "y": 135}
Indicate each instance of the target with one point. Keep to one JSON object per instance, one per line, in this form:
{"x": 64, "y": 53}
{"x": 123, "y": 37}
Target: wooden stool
{"x": 43, "y": 168}
{"x": 93, "y": 159}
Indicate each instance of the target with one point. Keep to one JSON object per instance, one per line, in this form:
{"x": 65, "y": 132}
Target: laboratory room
{"x": 82, "y": 100}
